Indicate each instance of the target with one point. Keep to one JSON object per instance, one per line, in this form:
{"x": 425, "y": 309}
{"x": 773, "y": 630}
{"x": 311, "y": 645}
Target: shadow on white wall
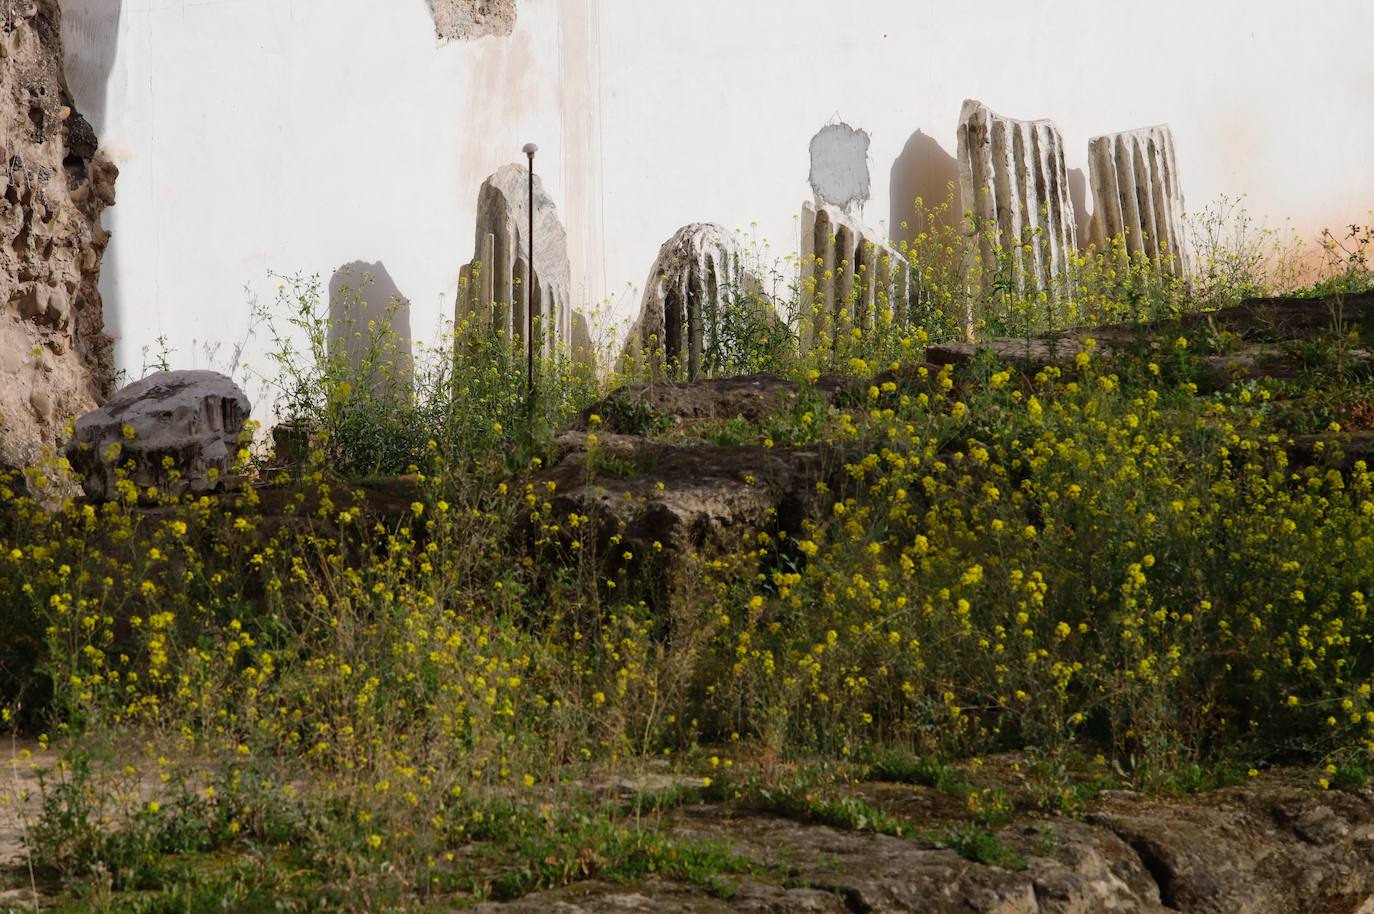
{"x": 364, "y": 304}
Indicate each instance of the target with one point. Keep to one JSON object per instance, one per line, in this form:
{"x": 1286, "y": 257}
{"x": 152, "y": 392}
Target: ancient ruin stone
{"x": 492, "y": 287}
{"x": 849, "y": 276}
{"x": 55, "y": 359}
{"x": 694, "y": 279}
{"x": 466, "y": 19}
{"x": 1013, "y": 180}
{"x": 839, "y": 167}
{"x": 195, "y": 418}
{"x": 1137, "y": 194}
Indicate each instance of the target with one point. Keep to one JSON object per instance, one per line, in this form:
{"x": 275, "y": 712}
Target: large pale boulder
{"x": 177, "y": 430}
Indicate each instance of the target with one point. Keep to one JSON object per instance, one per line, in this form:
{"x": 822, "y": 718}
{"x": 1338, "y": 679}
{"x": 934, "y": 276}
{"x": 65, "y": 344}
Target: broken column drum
{"x": 685, "y": 297}
{"x": 1014, "y": 183}
{"x": 1137, "y": 196}
{"x": 849, "y": 277}
{"x": 492, "y": 288}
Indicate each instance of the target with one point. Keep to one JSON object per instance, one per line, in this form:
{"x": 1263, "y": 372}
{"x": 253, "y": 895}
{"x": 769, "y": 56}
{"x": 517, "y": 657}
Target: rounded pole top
{"x": 531, "y": 149}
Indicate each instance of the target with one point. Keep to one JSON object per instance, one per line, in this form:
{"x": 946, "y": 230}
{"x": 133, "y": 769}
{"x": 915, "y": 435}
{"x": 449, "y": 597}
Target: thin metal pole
{"x": 530, "y": 150}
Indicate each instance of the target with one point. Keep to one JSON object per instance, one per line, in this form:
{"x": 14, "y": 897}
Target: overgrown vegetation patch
{"x": 1151, "y": 551}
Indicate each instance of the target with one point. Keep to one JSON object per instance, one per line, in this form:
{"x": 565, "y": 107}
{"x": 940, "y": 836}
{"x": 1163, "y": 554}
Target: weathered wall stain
{"x": 579, "y": 85}
{"x": 503, "y": 91}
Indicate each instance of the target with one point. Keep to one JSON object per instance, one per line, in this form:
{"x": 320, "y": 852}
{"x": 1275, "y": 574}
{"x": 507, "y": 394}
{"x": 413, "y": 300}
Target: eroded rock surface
{"x": 751, "y": 397}
{"x": 1257, "y": 337}
{"x": 55, "y": 359}
{"x": 647, "y": 471}
{"x": 1253, "y": 851}
{"x": 180, "y": 430}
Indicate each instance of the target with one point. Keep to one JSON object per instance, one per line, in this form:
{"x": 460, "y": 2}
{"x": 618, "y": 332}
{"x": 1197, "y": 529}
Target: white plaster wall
{"x": 298, "y": 135}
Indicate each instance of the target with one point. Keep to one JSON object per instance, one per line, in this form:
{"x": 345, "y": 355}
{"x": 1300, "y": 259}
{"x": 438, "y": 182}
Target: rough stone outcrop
{"x": 849, "y": 275}
{"x": 55, "y": 359}
{"x": 1137, "y": 194}
{"x": 1013, "y": 180}
{"x": 1254, "y": 850}
{"x": 1261, "y": 334}
{"x": 492, "y": 287}
{"x": 467, "y": 19}
{"x": 691, "y": 283}
{"x": 177, "y": 430}
{"x": 1262, "y": 331}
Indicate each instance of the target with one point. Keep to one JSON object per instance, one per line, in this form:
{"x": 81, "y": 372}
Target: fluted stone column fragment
{"x": 1013, "y": 180}
{"x": 849, "y": 276}
{"x": 492, "y": 287}
{"x": 697, "y": 276}
{"x": 1137, "y": 195}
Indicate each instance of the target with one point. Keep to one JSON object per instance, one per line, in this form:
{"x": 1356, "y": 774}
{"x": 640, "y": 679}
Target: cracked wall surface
{"x": 467, "y": 19}
{"x": 54, "y": 354}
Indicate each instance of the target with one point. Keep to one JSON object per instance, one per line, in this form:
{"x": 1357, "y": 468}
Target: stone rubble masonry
{"x": 848, "y": 274}
{"x": 1013, "y": 180}
{"x": 55, "y": 358}
{"x": 462, "y": 20}
{"x": 1137, "y": 194}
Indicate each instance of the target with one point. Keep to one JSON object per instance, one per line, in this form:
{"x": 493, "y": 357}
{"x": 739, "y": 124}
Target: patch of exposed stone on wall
{"x": 54, "y": 355}
{"x": 839, "y": 167}
{"x": 467, "y": 19}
